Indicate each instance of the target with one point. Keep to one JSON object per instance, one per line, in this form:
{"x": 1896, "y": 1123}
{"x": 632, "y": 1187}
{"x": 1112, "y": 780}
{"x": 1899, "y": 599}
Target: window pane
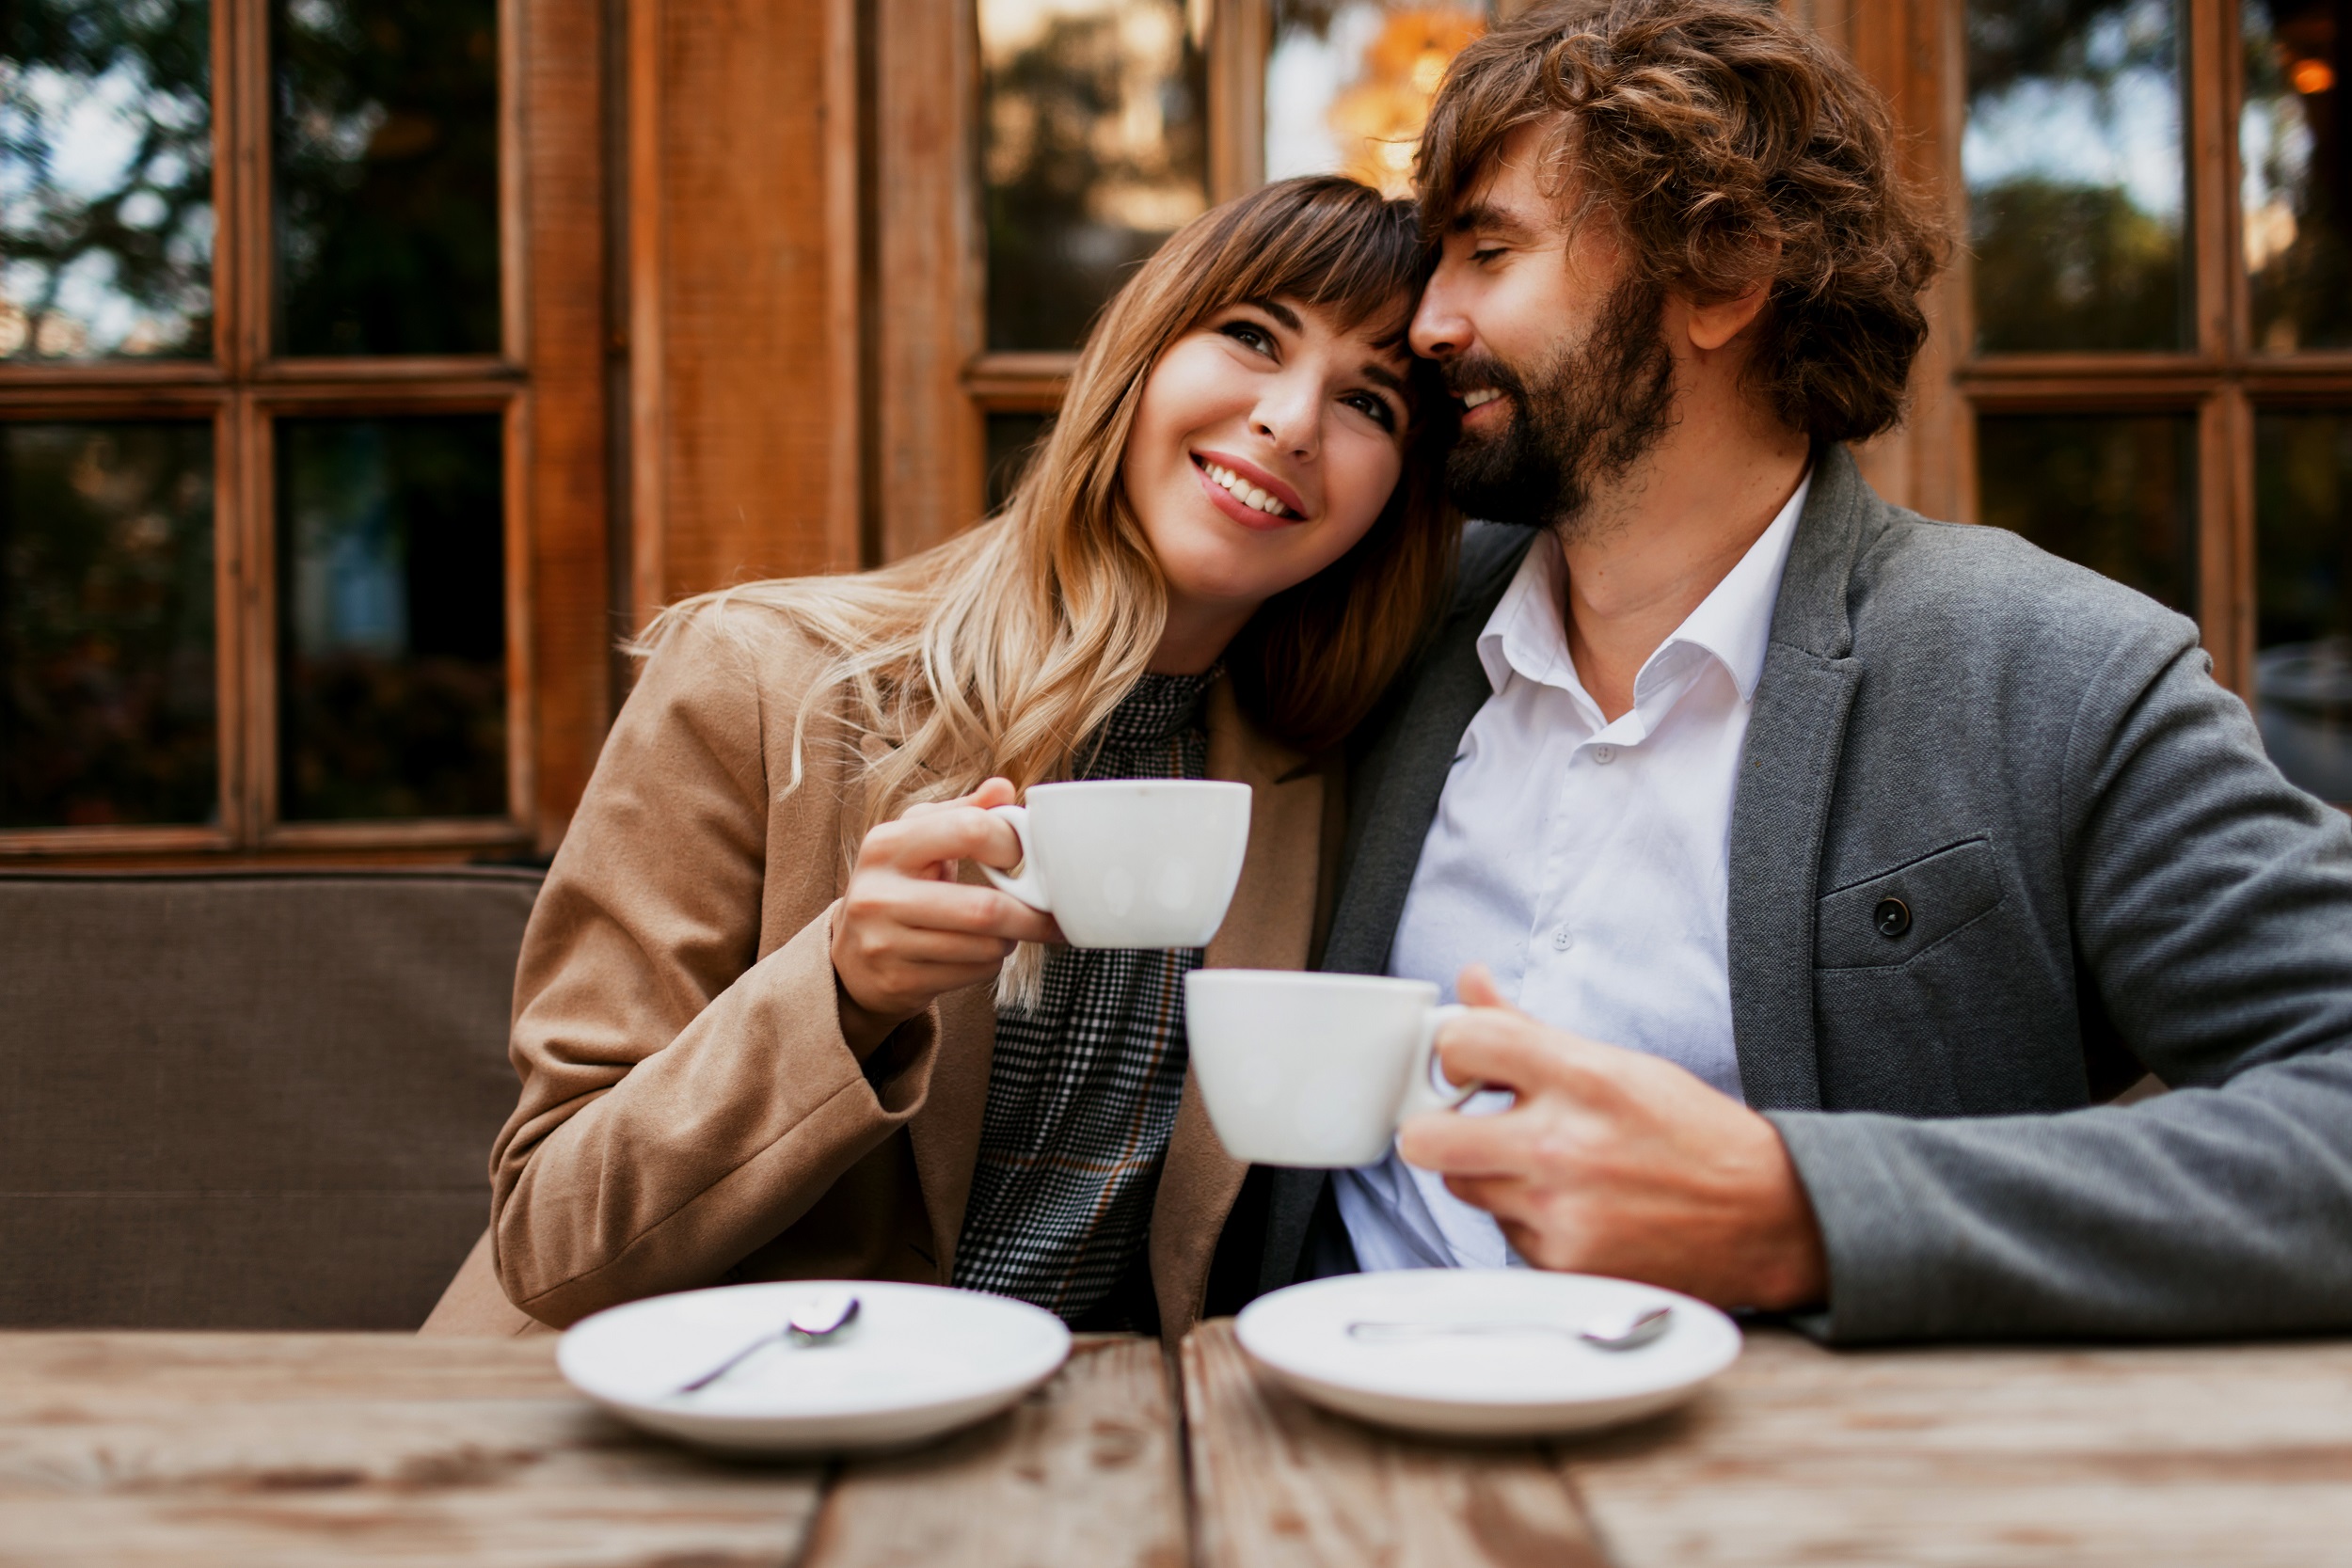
{"x": 2075, "y": 173}
{"x": 1094, "y": 148}
{"x": 1348, "y": 84}
{"x": 2297, "y": 190}
{"x": 385, "y": 131}
{"x": 2116, "y": 493}
{"x": 106, "y": 179}
{"x": 106, "y": 694}
{"x": 2303, "y": 582}
{"x": 391, "y": 618}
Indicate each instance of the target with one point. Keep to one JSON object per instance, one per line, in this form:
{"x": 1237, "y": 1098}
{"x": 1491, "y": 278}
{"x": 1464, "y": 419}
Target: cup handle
{"x": 1418, "y": 1094}
{"x": 1025, "y": 885}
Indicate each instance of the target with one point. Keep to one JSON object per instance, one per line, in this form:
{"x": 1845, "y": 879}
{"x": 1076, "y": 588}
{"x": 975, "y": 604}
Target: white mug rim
{"x": 1080, "y": 786}
{"x": 1314, "y": 978}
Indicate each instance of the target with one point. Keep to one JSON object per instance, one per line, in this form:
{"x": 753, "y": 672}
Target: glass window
{"x": 2303, "y": 587}
{"x": 107, "y": 676}
{"x": 386, "y": 146}
{"x": 391, "y": 618}
{"x": 106, "y": 179}
{"x": 2297, "y": 192}
{"x": 1348, "y": 84}
{"x": 1094, "y": 148}
{"x": 2077, "y": 185}
{"x": 2115, "y": 492}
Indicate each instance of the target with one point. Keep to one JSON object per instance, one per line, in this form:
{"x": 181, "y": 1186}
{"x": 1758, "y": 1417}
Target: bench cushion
{"x": 249, "y": 1100}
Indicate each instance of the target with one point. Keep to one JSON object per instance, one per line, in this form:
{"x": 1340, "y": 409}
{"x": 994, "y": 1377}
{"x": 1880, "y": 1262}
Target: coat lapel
{"x": 1787, "y": 776}
{"x": 1269, "y": 926}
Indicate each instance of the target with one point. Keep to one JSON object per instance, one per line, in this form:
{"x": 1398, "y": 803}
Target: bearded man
{"x": 1818, "y": 874}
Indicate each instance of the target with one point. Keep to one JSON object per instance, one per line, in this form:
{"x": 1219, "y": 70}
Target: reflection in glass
{"x": 391, "y": 618}
{"x": 107, "y": 693}
{"x": 384, "y": 129}
{"x": 2297, "y": 190}
{"x": 2303, "y": 588}
{"x": 2076, "y": 185}
{"x": 2114, "y": 492}
{"x": 1012, "y": 441}
{"x": 1094, "y": 148}
{"x": 1348, "y": 84}
{"x": 106, "y": 179}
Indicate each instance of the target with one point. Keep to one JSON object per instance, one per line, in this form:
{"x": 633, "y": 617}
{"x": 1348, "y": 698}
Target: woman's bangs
{"x": 1330, "y": 243}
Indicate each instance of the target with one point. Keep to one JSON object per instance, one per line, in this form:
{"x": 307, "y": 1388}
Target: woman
{"x": 760, "y": 1018}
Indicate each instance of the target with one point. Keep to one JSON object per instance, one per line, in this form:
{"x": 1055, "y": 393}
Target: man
{"x": 1815, "y": 871}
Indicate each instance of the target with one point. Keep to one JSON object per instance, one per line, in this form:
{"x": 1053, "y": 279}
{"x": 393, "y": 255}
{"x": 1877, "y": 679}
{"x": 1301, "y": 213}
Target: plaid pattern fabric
{"x": 1082, "y": 1091}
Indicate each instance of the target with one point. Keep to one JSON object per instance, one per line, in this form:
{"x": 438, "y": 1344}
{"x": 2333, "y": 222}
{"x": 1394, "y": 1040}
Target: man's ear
{"x": 1713, "y": 325}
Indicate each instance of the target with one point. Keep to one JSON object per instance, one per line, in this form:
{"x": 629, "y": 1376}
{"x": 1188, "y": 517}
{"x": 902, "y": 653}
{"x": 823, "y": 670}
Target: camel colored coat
{"x": 690, "y": 1115}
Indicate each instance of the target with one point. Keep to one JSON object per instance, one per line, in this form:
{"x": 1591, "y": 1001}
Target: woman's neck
{"x": 1196, "y": 636}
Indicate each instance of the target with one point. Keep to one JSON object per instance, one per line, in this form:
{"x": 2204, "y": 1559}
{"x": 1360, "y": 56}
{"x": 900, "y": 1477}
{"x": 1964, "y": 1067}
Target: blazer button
{"x": 1893, "y": 918}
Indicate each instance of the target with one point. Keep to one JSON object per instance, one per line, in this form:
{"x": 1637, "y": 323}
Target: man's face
{"x": 1564, "y": 375}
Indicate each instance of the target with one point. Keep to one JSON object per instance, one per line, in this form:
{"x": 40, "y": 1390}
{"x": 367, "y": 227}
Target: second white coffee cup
{"x": 1313, "y": 1070}
{"x": 1130, "y": 862}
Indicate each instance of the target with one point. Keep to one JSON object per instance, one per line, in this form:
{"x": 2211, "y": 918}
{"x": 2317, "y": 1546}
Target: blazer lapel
{"x": 1787, "y": 778}
{"x": 1269, "y": 926}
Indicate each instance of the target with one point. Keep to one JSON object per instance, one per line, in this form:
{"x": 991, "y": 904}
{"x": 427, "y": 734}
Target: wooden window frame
{"x": 1913, "y": 50}
{"x": 547, "y": 384}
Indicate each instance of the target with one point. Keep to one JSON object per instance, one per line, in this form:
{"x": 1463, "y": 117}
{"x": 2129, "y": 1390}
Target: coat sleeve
{"x": 684, "y": 1096}
{"x": 2212, "y": 910}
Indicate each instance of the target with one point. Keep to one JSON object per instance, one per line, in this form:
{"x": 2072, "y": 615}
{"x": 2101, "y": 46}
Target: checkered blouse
{"x": 1082, "y": 1091}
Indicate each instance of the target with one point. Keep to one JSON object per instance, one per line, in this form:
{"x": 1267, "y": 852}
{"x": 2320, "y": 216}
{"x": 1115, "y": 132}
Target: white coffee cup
{"x": 1130, "y": 862}
{"x": 1313, "y": 1070}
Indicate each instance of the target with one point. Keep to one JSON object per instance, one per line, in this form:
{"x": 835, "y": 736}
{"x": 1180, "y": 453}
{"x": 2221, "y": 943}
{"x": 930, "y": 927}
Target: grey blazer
{"x": 2102, "y": 873}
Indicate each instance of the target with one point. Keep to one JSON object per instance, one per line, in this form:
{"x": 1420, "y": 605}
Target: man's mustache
{"x": 1468, "y": 372}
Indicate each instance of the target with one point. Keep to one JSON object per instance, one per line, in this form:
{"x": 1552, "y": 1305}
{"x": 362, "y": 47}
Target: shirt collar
{"x": 1527, "y": 634}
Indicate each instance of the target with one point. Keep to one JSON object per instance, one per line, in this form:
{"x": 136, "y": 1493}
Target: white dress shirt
{"x": 1585, "y": 862}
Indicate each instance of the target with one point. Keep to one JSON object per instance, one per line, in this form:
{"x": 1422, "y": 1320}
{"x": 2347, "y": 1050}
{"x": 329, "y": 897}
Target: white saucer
{"x": 1511, "y": 1385}
{"x": 919, "y": 1362}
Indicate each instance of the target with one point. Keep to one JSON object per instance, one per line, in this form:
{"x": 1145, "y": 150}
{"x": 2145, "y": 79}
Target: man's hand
{"x": 1616, "y": 1163}
{"x": 908, "y": 932}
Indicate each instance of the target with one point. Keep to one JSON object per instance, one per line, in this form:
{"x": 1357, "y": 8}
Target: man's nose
{"x": 1440, "y": 329}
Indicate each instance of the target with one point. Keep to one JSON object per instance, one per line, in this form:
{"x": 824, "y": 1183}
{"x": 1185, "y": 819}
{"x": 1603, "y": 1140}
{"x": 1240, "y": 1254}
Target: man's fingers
{"x": 1453, "y": 1143}
{"x": 1509, "y": 1051}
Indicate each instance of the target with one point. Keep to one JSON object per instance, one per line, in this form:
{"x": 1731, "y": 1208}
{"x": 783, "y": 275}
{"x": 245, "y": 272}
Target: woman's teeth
{"x": 1245, "y": 492}
{"x": 1479, "y": 399}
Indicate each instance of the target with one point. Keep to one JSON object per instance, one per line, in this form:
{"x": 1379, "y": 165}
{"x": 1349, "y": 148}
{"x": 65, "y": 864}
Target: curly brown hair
{"x": 1733, "y": 149}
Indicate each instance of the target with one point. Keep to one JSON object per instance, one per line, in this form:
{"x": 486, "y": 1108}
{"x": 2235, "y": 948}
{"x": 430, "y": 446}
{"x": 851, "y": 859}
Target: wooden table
{"x": 130, "y": 1449}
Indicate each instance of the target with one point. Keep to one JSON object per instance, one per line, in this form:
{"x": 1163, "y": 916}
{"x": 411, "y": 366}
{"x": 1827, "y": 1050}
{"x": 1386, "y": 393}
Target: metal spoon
{"x": 1628, "y": 1329}
{"x": 812, "y": 1323}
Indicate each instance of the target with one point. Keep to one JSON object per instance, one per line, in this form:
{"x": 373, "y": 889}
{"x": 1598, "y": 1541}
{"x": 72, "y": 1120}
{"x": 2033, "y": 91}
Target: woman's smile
{"x": 1245, "y": 492}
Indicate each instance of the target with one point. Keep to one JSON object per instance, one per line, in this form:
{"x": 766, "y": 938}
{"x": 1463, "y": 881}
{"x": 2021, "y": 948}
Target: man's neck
{"x": 1653, "y": 546}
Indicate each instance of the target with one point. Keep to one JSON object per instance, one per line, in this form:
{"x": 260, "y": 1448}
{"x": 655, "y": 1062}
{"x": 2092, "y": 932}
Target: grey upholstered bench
{"x": 248, "y": 1099}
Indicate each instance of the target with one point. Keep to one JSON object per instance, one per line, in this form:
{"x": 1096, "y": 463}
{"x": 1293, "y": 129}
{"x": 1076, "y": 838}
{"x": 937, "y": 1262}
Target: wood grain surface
{"x": 1085, "y": 1471}
{"x": 258, "y": 1450}
{"x": 2204, "y": 1455}
{"x": 1278, "y": 1483}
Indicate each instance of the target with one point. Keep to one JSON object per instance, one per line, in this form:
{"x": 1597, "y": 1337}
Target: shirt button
{"x": 1604, "y": 754}
{"x": 1562, "y": 939}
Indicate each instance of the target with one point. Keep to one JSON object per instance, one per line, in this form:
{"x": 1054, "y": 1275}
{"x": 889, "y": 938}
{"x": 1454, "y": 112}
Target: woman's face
{"x": 1267, "y": 445}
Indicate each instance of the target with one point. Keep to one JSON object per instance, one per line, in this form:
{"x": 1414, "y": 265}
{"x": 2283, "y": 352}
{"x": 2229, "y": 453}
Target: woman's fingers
{"x": 941, "y": 834}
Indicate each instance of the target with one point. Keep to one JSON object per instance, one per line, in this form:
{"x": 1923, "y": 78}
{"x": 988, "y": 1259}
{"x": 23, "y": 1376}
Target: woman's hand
{"x": 908, "y": 932}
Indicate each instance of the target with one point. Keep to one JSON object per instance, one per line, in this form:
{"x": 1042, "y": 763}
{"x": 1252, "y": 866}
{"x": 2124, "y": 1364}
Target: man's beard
{"x": 1585, "y": 417}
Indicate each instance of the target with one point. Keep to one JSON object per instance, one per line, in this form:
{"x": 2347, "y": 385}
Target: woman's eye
{"x": 1374, "y": 407}
{"x": 1250, "y": 335}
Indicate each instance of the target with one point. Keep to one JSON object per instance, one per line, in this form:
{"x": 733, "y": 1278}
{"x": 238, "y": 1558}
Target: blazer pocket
{"x": 1895, "y": 916}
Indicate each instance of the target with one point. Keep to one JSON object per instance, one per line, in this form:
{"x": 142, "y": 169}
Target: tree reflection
{"x": 2075, "y": 179}
{"x": 105, "y": 178}
{"x": 1095, "y": 151}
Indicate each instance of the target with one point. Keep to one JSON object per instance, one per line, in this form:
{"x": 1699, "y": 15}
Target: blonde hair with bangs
{"x": 1001, "y": 650}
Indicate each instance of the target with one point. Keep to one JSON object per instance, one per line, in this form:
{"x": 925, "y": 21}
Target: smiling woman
{"x": 1227, "y": 545}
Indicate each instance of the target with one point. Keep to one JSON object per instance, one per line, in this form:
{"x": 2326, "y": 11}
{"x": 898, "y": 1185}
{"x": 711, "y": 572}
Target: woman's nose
{"x": 1287, "y": 415}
